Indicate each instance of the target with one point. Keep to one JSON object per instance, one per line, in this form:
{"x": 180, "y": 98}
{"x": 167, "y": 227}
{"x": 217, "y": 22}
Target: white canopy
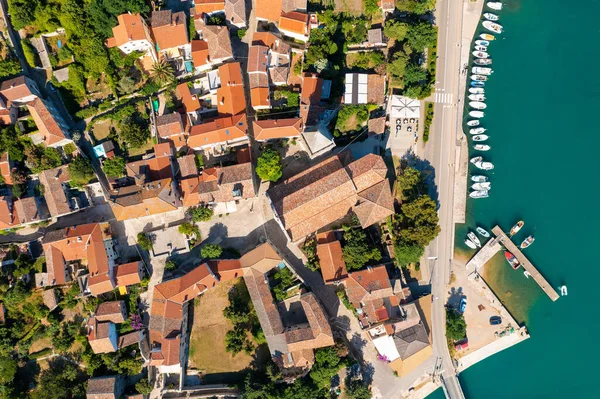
{"x": 404, "y": 107}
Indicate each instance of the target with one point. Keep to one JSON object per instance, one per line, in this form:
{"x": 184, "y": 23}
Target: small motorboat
{"x": 492, "y": 26}
{"x": 479, "y": 178}
{"x": 475, "y": 160}
{"x": 526, "y": 274}
{"x": 482, "y": 71}
{"x": 482, "y": 232}
{"x": 490, "y": 17}
{"x": 477, "y": 90}
{"x": 484, "y": 165}
{"x": 515, "y": 229}
{"x": 527, "y": 242}
{"x": 480, "y": 137}
{"x": 477, "y": 105}
{"x": 482, "y": 186}
{"x": 479, "y": 78}
{"x": 487, "y": 36}
{"x": 563, "y": 290}
{"x": 482, "y": 61}
{"x": 480, "y": 54}
{"x": 512, "y": 260}
{"x": 476, "y": 97}
{"x": 482, "y": 42}
{"x": 480, "y": 48}
{"x": 479, "y": 194}
{"x": 476, "y": 114}
{"x": 481, "y": 147}
{"x": 473, "y": 237}
{"x": 477, "y": 130}
{"x": 474, "y": 122}
{"x": 470, "y": 244}
{"x": 495, "y": 320}
{"x": 477, "y": 84}
{"x": 494, "y": 5}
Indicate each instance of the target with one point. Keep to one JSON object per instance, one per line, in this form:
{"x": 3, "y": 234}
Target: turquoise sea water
{"x": 543, "y": 102}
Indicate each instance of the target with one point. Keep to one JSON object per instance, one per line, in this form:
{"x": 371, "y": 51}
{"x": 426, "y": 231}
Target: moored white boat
{"x": 481, "y": 147}
{"x": 475, "y": 160}
{"x": 563, "y": 290}
{"x": 482, "y": 232}
{"x": 484, "y": 165}
{"x": 482, "y": 70}
{"x": 476, "y": 114}
{"x": 477, "y": 105}
{"x": 527, "y": 242}
{"x": 480, "y": 137}
{"x": 470, "y": 244}
{"x": 482, "y": 61}
{"x": 492, "y": 26}
{"x": 479, "y": 178}
{"x": 482, "y": 42}
{"x": 481, "y": 186}
{"x": 479, "y": 194}
{"x": 476, "y": 90}
{"x": 474, "y": 122}
{"x": 494, "y": 5}
{"x": 479, "y": 78}
{"x": 473, "y": 237}
{"x": 515, "y": 229}
{"x": 487, "y": 36}
{"x": 480, "y": 48}
{"x": 476, "y": 97}
{"x": 477, "y": 130}
{"x": 480, "y": 54}
{"x": 490, "y": 16}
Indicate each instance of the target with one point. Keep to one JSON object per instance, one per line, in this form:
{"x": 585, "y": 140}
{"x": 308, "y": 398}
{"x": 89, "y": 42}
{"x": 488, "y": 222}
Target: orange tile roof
{"x": 169, "y": 125}
{"x": 260, "y": 97}
{"x": 230, "y": 96}
{"x": 200, "y": 52}
{"x": 54, "y": 194}
{"x": 218, "y": 131}
{"x": 294, "y": 21}
{"x": 148, "y": 199}
{"x": 311, "y": 87}
{"x": 208, "y": 6}
{"x": 258, "y": 58}
{"x": 277, "y": 128}
{"x": 17, "y": 88}
{"x": 365, "y": 283}
{"x": 5, "y": 169}
{"x": 9, "y": 217}
{"x": 190, "y": 102}
{"x": 48, "y": 121}
{"x": 333, "y": 267}
{"x": 128, "y": 273}
{"x": 130, "y": 27}
{"x": 269, "y": 10}
{"x": 169, "y": 29}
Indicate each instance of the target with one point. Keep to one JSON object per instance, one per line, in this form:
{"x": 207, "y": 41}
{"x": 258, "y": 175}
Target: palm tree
{"x": 162, "y": 72}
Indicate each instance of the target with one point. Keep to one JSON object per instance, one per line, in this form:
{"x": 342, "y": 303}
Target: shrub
{"x": 114, "y": 167}
{"x": 241, "y": 33}
{"x": 81, "y": 171}
{"x": 310, "y": 250}
{"x": 211, "y": 251}
{"x": 170, "y": 265}
{"x": 189, "y": 229}
{"x": 201, "y": 213}
{"x": 29, "y": 52}
{"x": 144, "y": 241}
{"x": 268, "y": 166}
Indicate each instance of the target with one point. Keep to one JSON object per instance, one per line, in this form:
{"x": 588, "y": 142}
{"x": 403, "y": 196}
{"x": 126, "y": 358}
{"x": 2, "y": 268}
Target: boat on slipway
{"x": 479, "y": 194}
{"x": 477, "y": 114}
{"x": 512, "y": 260}
{"x": 482, "y": 232}
{"x": 492, "y": 26}
{"x": 482, "y": 61}
{"x": 482, "y": 186}
{"x": 482, "y": 42}
{"x": 482, "y": 70}
{"x": 476, "y": 90}
{"x": 487, "y": 36}
{"x": 474, "y": 122}
{"x": 490, "y": 16}
{"x": 480, "y": 137}
{"x": 515, "y": 229}
{"x": 494, "y": 5}
{"x": 473, "y": 237}
{"x": 480, "y": 54}
{"x": 479, "y": 178}
{"x": 477, "y": 130}
{"x": 481, "y": 147}
{"x": 477, "y": 105}
{"x": 527, "y": 242}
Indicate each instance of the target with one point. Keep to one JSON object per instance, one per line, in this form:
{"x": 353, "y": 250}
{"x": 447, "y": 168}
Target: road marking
{"x": 443, "y": 98}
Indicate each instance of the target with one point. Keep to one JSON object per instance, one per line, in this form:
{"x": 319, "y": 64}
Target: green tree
{"x": 29, "y": 52}
{"x": 268, "y": 166}
{"x": 416, "y": 6}
{"x": 310, "y": 250}
{"x": 357, "y": 390}
{"x": 395, "y": 29}
{"x": 144, "y": 241}
{"x": 406, "y": 253}
{"x": 8, "y": 369}
{"x": 327, "y": 364}
{"x": 201, "y": 213}
{"x": 421, "y": 35}
{"x": 357, "y": 252}
{"x": 456, "y": 328}
{"x": 162, "y": 72}
{"x": 236, "y": 340}
{"x": 397, "y": 67}
{"x": 81, "y": 171}
{"x": 70, "y": 148}
{"x": 211, "y": 251}
{"x": 63, "y": 341}
{"x": 418, "y": 222}
{"x": 414, "y": 75}
{"x": 22, "y": 12}
{"x": 54, "y": 379}
{"x": 114, "y": 167}
{"x": 410, "y": 184}
{"x": 170, "y": 265}
{"x": 189, "y": 229}
{"x": 256, "y": 387}
{"x": 144, "y": 387}
{"x": 371, "y": 7}
{"x": 134, "y": 134}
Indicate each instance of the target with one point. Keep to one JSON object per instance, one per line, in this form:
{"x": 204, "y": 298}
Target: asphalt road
{"x": 440, "y": 152}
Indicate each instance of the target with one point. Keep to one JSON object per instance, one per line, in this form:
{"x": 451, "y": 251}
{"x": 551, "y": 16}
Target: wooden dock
{"x": 527, "y": 265}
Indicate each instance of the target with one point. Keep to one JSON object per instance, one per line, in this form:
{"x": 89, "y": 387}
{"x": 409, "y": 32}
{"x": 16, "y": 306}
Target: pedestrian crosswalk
{"x": 443, "y": 98}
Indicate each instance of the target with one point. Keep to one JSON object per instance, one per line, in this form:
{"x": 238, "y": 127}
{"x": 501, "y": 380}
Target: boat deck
{"x": 494, "y": 245}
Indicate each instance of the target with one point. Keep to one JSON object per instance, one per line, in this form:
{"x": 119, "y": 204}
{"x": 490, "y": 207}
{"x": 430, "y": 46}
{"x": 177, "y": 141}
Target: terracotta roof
{"x": 208, "y": 6}
{"x": 376, "y": 126}
{"x": 169, "y": 124}
{"x": 310, "y": 98}
{"x": 48, "y": 121}
{"x": 294, "y": 21}
{"x": 262, "y": 258}
{"x": 260, "y": 97}
{"x": 151, "y": 169}
{"x": 17, "y": 88}
{"x": 333, "y": 267}
{"x": 9, "y": 216}
{"x": 187, "y": 165}
{"x": 169, "y": 29}
{"x": 258, "y": 80}
{"x": 376, "y": 203}
{"x": 375, "y": 89}
{"x": 218, "y": 131}
{"x": 387, "y": 5}
{"x": 260, "y": 293}
{"x": 200, "y": 53}
{"x": 29, "y": 210}
{"x": 277, "y": 128}
{"x": 5, "y": 168}
{"x": 98, "y": 335}
{"x": 190, "y": 102}
{"x": 148, "y": 199}
{"x": 54, "y": 194}
{"x": 111, "y": 311}
{"x": 128, "y": 273}
{"x": 258, "y": 59}
{"x": 268, "y": 39}
{"x": 328, "y": 191}
{"x": 230, "y": 96}
{"x": 128, "y": 339}
{"x": 369, "y": 283}
{"x": 279, "y": 75}
{"x": 103, "y": 387}
{"x": 269, "y": 10}
{"x": 219, "y": 41}
{"x": 235, "y": 11}
{"x": 221, "y": 184}
{"x": 130, "y": 28}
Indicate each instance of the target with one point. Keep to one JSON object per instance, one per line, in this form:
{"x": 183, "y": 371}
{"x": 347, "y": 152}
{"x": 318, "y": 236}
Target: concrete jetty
{"x": 494, "y": 245}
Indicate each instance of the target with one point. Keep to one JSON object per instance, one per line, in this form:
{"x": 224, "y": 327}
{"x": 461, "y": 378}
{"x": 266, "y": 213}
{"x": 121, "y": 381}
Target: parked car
{"x": 461, "y": 345}
{"x": 495, "y": 320}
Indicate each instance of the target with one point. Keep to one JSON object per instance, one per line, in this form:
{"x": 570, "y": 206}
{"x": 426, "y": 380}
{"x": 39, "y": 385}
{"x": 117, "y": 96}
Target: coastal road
{"x": 440, "y": 152}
